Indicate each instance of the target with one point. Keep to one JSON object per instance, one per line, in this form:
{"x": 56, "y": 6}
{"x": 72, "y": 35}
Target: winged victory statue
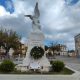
{"x": 35, "y": 19}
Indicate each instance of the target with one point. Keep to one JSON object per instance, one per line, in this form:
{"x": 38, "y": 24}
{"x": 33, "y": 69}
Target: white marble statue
{"x": 35, "y": 19}
{"x": 35, "y": 38}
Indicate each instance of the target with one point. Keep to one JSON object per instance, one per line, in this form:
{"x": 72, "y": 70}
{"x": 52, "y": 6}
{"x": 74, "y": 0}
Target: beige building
{"x": 77, "y": 44}
{"x": 63, "y": 50}
{"x": 59, "y": 50}
{"x": 71, "y": 53}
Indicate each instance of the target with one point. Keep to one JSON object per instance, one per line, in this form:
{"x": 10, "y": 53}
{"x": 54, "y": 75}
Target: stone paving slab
{"x": 39, "y": 77}
{"x": 74, "y": 66}
{"x": 71, "y": 62}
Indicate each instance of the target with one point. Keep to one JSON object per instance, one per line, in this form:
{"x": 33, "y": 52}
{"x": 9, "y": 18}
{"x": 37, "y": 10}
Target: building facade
{"x": 63, "y": 50}
{"x": 77, "y": 44}
{"x": 59, "y": 49}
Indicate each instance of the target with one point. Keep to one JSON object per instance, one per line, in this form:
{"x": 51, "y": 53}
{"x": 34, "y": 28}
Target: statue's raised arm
{"x": 30, "y": 16}
{"x": 36, "y": 11}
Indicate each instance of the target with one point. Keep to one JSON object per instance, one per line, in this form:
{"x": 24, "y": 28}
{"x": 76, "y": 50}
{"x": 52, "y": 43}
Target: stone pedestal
{"x": 42, "y": 64}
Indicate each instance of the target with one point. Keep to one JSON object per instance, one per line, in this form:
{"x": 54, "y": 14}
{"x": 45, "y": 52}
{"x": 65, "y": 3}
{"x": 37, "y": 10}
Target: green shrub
{"x": 57, "y": 66}
{"x": 7, "y": 66}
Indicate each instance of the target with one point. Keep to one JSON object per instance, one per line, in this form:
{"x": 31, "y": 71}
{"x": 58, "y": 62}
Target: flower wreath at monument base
{"x": 37, "y": 52}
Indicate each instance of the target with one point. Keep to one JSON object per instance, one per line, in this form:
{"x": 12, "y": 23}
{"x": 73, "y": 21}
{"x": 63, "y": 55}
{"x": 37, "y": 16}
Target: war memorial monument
{"x": 35, "y": 57}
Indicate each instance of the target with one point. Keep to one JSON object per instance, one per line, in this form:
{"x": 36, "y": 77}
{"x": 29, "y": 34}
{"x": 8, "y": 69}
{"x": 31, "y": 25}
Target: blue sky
{"x": 71, "y": 2}
{"x": 8, "y": 5}
{"x": 60, "y": 19}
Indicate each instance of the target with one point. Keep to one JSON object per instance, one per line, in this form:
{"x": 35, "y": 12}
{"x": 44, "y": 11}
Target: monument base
{"x": 42, "y": 65}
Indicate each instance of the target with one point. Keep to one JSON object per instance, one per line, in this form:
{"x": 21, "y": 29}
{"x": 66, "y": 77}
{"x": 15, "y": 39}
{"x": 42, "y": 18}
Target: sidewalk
{"x": 40, "y": 77}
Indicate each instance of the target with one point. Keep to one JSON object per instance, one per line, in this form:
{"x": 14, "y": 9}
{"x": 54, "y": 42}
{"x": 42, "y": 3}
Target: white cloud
{"x": 23, "y": 40}
{"x": 3, "y": 12}
{"x": 22, "y": 7}
{"x": 59, "y": 21}
{"x": 58, "y": 36}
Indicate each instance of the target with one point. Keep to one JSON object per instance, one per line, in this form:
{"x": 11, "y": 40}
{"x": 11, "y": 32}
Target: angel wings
{"x": 36, "y": 13}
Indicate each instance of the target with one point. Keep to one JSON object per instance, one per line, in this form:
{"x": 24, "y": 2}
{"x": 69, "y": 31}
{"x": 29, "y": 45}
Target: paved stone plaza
{"x": 39, "y": 77}
{"x": 71, "y": 62}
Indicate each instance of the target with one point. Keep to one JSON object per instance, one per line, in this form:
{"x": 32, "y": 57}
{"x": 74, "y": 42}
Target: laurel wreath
{"x": 37, "y": 52}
